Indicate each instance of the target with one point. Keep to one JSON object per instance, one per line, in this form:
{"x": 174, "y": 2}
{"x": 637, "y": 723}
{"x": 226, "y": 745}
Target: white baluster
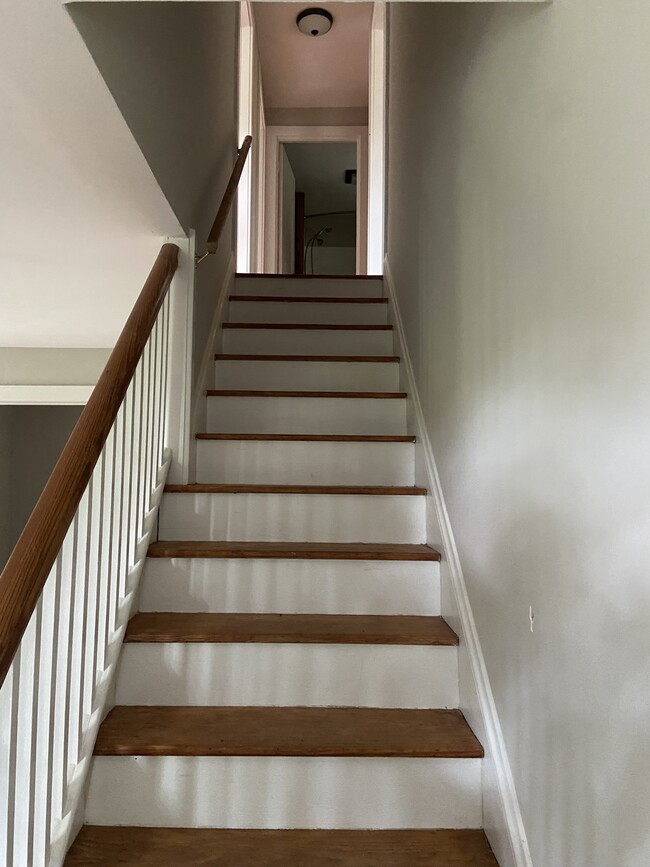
{"x": 45, "y": 719}
{"x": 127, "y": 490}
{"x": 62, "y": 678}
{"x": 117, "y": 523}
{"x": 78, "y": 633}
{"x": 25, "y": 734}
{"x": 7, "y": 749}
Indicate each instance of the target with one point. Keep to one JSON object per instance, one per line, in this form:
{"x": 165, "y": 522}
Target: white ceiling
{"x": 299, "y": 71}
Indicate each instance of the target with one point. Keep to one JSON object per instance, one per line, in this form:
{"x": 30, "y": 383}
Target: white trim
{"x": 376, "y": 139}
{"x": 503, "y": 803}
{"x": 245, "y": 127}
{"x": 55, "y": 395}
{"x": 279, "y": 135}
{"x": 180, "y": 359}
{"x": 206, "y": 370}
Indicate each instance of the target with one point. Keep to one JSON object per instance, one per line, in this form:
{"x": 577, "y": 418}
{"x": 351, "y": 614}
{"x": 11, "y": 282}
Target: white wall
{"x": 31, "y": 440}
{"x": 519, "y": 182}
{"x": 333, "y": 260}
{"x": 82, "y": 216}
{"x": 172, "y": 68}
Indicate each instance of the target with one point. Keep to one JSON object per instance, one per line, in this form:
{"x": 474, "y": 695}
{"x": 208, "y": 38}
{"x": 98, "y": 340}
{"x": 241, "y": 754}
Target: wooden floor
{"x": 341, "y": 490}
{"x": 286, "y": 731}
{"x": 206, "y": 847}
{"x": 184, "y": 627}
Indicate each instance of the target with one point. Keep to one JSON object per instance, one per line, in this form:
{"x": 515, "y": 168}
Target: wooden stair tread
{"x": 240, "y": 392}
{"x": 304, "y": 326}
{"x": 216, "y": 628}
{"x": 268, "y": 275}
{"x": 365, "y": 359}
{"x": 106, "y": 846}
{"x": 352, "y": 490}
{"x": 293, "y": 550}
{"x": 312, "y": 299}
{"x": 307, "y": 438}
{"x": 286, "y": 731}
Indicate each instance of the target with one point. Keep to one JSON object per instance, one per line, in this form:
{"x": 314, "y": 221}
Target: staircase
{"x": 287, "y": 691}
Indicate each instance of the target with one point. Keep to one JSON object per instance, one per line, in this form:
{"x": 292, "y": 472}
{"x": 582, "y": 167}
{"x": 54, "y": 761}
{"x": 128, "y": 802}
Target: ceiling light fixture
{"x": 314, "y": 22}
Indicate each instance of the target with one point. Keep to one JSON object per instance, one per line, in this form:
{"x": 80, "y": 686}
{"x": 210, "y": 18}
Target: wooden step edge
{"x": 266, "y": 276}
{"x": 241, "y": 392}
{"x": 350, "y": 359}
{"x": 343, "y": 490}
{"x": 312, "y": 299}
{"x": 134, "y": 846}
{"x": 165, "y": 627}
{"x": 287, "y": 731}
{"x": 300, "y": 326}
{"x": 307, "y": 438}
{"x": 206, "y": 550}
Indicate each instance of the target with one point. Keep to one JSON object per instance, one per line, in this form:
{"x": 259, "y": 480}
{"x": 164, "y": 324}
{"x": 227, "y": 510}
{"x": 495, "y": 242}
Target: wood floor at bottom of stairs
{"x": 199, "y": 847}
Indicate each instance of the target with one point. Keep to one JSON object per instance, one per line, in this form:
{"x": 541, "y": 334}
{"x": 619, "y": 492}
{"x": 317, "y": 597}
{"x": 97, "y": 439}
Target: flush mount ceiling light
{"x": 314, "y": 22}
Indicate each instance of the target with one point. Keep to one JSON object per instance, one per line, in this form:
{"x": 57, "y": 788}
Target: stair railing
{"x": 66, "y": 591}
{"x": 226, "y": 202}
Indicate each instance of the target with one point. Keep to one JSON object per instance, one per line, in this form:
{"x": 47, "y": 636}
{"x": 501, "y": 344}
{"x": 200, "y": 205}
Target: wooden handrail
{"x": 228, "y": 196}
{"x": 26, "y": 572}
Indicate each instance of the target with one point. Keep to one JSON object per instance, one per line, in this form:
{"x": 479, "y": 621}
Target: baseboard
{"x": 502, "y": 815}
{"x": 206, "y": 369}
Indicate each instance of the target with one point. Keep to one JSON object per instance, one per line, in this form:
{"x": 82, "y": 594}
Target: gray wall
{"x": 31, "y": 440}
{"x": 171, "y": 68}
{"x": 6, "y": 531}
{"x": 519, "y": 182}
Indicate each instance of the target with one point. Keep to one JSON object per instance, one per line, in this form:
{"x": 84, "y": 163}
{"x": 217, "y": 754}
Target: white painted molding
{"x": 206, "y": 370}
{"x": 61, "y": 395}
{"x": 180, "y": 359}
{"x": 245, "y": 111}
{"x": 377, "y": 139}
{"x": 495, "y": 748}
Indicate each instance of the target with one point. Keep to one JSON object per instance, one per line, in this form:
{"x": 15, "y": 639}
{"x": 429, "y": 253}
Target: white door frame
{"x": 276, "y": 136}
{"x": 245, "y": 127}
{"x": 250, "y": 113}
{"x": 377, "y": 140}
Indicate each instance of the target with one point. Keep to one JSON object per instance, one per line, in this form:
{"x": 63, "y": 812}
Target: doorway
{"x": 318, "y": 223}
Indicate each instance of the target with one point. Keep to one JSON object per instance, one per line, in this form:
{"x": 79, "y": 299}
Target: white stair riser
{"x": 308, "y": 312}
{"x": 299, "y": 341}
{"x": 324, "y": 675}
{"x": 307, "y": 415}
{"x": 285, "y": 792}
{"x": 309, "y": 288}
{"x": 305, "y": 463}
{"x": 307, "y": 375}
{"x": 292, "y": 518}
{"x": 291, "y": 586}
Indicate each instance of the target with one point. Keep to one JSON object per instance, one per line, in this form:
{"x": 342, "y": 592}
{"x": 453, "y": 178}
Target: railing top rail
{"x": 228, "y": 196}
{"x": 28, "y": 567}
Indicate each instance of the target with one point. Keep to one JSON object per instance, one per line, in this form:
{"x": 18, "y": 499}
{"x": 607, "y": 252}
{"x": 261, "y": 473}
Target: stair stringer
{"x": 205, "y": 374}
{"x": 502, "y": 819}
